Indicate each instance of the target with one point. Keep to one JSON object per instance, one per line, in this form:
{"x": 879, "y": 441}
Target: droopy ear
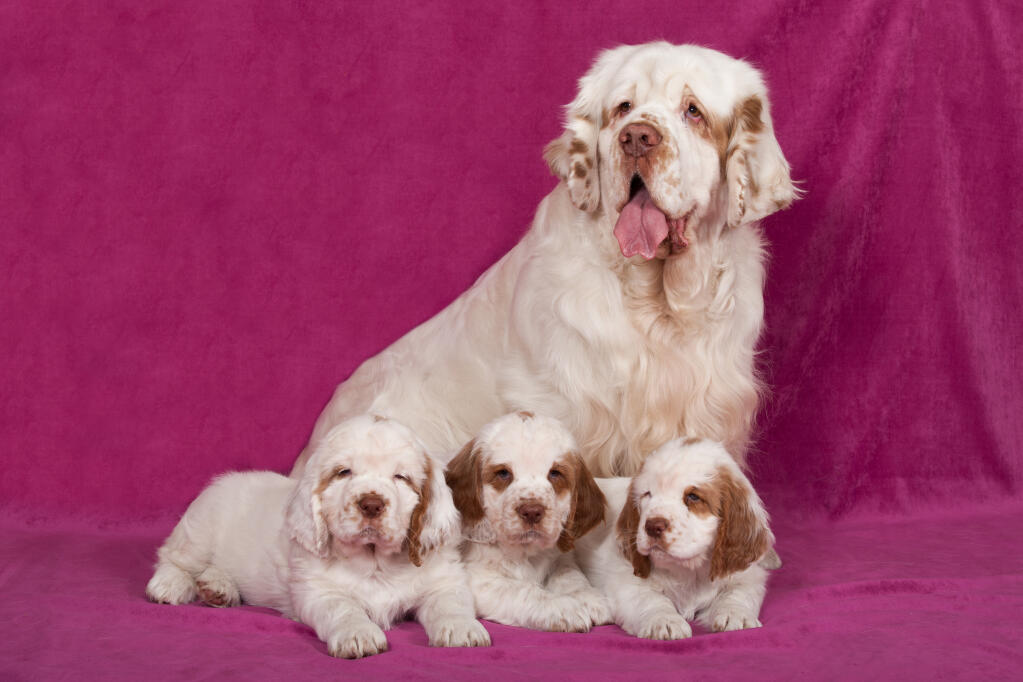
{"x": 588, "y": 503}
{"x": 304, "y": 516}
{"x": 573, "y": 158}
{"x": 758, "y": 174}
{"x": 464, "y": 475}
{"x": 434, "y": 521}
{"x": 743, "y": 535}
{"x": 628, "y": 525}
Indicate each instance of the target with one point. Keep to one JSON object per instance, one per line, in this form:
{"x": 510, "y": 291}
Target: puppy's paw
{"x": 565, "y": 613}
{"x": 459, "y": 632}
{"x": 671, "y": 626}
{"x": 360, "y": 640}
{"x": 171, "y": 585}
{"x": 723, "y": 621}
{"x": 597, "y": 606}
{"x": 217, "y": 589}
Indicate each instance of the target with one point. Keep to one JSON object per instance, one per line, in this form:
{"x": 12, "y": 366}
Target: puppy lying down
{"x": 526, "y": 497}
{"x": 367, "y": 535}
{"x": 685, "y": 545}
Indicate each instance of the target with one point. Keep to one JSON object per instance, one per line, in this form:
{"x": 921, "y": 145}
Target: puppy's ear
{"x": 757, "y": 172}
{"x": 588, "y": 503}
{"x": 628, "y": 526}
{"x": 743, "y": 535}
{"x": 435, "y": 520}
{"x": 304, "y": 515}
{"x": 464, "y": 475}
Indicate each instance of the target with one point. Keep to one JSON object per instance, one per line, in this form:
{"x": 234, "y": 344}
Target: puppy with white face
{"x": 685, "y": 544}
{"x": 526, "y": 497}
{"x": 367, "y": 535}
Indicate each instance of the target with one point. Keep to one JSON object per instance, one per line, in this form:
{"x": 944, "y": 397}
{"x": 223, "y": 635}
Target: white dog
{"x": 526, "y": 497}
{"x": 631, "y": 309}
{"x": 368, "y": 534}
{"x": 689, "y": 534}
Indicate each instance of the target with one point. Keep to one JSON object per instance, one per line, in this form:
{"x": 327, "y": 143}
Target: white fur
{"x": 517, "y": 573}
{"x": 304, "y": 548}
{"x": 627, "y": 353}
{"x": 679, "y": 588}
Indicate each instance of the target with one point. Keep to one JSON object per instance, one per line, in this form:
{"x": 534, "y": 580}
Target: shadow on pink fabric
{"x": 210, "y": 214}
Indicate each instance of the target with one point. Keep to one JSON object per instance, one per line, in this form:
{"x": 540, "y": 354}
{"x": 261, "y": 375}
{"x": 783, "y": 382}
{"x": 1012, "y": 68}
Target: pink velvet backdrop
{"x": 212, "y": 212}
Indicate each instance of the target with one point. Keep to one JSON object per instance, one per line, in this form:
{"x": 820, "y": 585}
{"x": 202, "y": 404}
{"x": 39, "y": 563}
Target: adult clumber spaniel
{"x": 368, "y": 534}
{"x": 688, "y": 534}
{"x": 526, "y": 497}
{"x": 630, "y": 309}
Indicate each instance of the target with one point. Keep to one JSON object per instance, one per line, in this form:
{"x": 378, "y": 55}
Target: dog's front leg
{"x": 339, "y": 620}
{"x": 566, "y": 578}
{"x": 447, "y": 614}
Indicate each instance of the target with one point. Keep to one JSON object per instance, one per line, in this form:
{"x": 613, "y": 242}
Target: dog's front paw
{"x": 597, "y": 606}
{"x": 459, "y": 632}
{"x": 566, "y": 613}
{"x": 671, "y": 626}
{"x": 170, "y": 585}
{"x": 361, "y": 640}
{"x": 723, "y": 621}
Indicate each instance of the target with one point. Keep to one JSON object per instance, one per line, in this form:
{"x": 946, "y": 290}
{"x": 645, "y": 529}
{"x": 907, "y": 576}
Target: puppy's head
{"x": 666, "y": 138}
{"x": 371, "y": 483}
{"x": 689, "y": 505}
{"x": 522, "y": 483}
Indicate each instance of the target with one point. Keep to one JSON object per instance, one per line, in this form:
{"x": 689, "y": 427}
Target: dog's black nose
{"x": 371, "y": 505}
{"x": 531, "y": 512}
{"x": 656, "y": 526}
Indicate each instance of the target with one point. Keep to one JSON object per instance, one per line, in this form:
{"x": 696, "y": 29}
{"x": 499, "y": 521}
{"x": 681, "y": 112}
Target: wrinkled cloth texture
{"x": 211, "y": 213}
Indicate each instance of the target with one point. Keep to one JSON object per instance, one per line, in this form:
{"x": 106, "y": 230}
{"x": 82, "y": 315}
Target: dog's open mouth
{"x": 643, "y": 228}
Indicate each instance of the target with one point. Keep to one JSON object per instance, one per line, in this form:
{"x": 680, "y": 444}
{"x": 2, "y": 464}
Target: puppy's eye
{"x": 503, "y": 474}
{"x": 342, "y": 473}
{"x": 554, "y": 474}
{"x": 646, "y": 494}
{"x": 624, "y": 108}
{"x": 692, "y": 112}
{"x": 402, "y": 477}
{"x": 693, "y": 497}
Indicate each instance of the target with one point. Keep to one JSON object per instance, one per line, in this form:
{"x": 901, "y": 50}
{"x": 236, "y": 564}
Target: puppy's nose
{"x": 371, "y": 505}
{"x": 639, "y": 138}
{"x": 531, "y": 512}
{"x": 656, "y": 526}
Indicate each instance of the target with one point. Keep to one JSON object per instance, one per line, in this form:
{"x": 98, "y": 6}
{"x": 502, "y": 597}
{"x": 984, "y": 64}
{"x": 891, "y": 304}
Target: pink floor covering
{"x": 210, "y": 213}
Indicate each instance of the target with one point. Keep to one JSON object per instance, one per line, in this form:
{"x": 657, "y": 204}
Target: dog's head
{"x": 370, "y": 482}
{"x": 691, "y": 504}
{"x": 666, "y": 139}
{"x": 521, "y": 482}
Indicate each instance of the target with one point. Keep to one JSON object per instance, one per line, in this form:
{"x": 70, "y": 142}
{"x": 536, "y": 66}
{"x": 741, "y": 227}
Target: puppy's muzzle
{"x": 531, "y": 512}
{"x": 371, "y": 505}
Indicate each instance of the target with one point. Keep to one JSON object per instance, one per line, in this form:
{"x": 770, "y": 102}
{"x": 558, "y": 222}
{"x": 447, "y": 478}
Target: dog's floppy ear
{"x": 572, "y": 157}
{"x": 588, "y": 503}
{"x": 434, "y": 521}
{"x": 464, "y": 475}
{"x": 304, "y": 515}
{"x": 757, "y": 173}
{"x": 628, "y": 526}
{"x": 743, "y": 535}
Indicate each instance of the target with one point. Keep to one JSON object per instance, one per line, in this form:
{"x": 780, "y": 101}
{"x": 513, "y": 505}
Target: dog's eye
{"x": 503, "y": 474}
{"x": 646, "y": 494}
{"x": 342, "y": 473}
{"x": 402, "y": 477}
{"x": 554, "y": 474}
{"x": 693, "y": 497}
{"x": 693, "y": 112}
{"x": 625, "y": 107}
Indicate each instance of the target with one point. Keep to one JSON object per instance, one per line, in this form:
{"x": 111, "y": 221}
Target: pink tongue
{"x": 641, "y": 227}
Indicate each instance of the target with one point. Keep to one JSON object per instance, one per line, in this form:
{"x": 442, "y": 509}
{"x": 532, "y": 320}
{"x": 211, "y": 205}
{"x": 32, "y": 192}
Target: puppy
{"x": 526, "y": 497}
{"x": 365, "y": 536}
{"x": 684, "y": 546}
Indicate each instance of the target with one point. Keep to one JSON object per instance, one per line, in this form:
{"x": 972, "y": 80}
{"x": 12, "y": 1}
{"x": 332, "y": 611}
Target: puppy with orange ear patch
{"x": 367, "y": 535}
{"x": 526, "y": 498}
{"x": 685, "y": 545}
